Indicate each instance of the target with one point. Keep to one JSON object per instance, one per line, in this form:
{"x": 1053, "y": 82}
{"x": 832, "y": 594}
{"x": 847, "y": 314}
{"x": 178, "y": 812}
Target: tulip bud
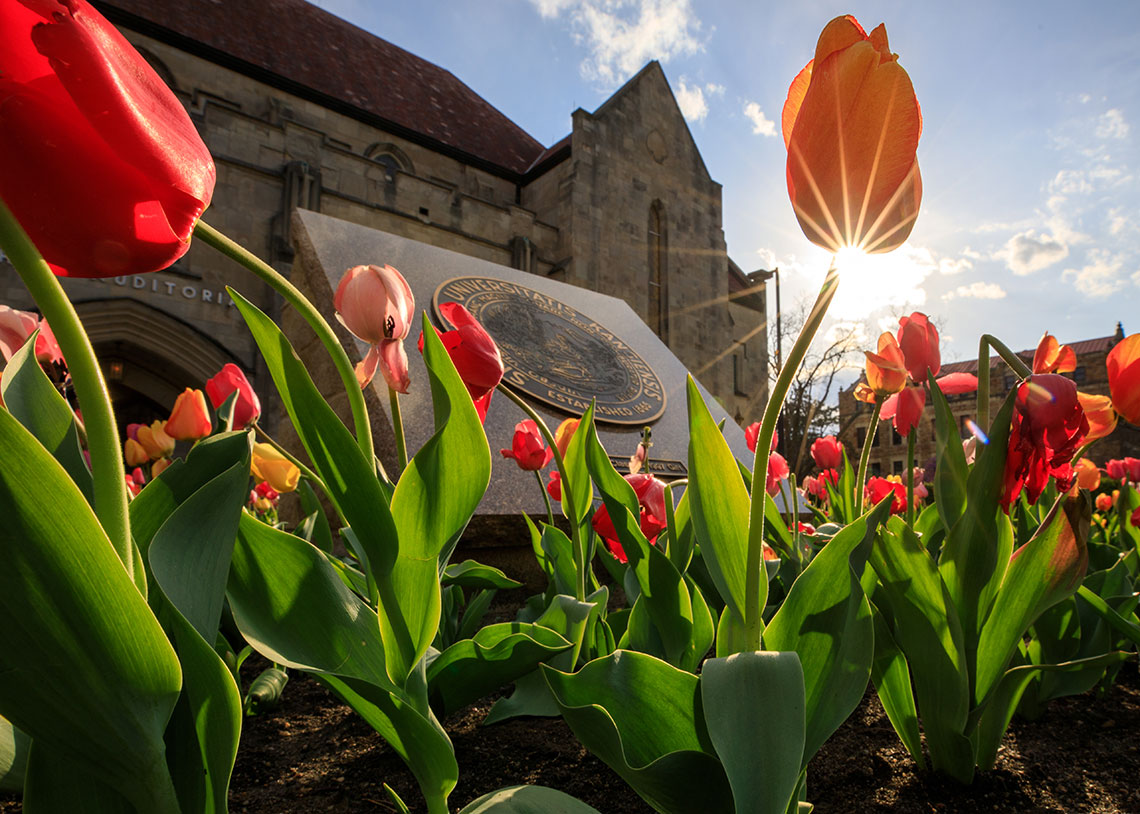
{"x": 15, "y": 329}
{"x": 886, "y": 370}
{"x": 133, "y": 453}
{"x": 777, "y": 471}
{"x": 918, "y": 339}
{"x": 376, "y": 304}
{"x": 827, "y": 452}
{"x": 230, "y": 379}
{"x": 154, "y": 440}
{"x": 473, "y": 352}
{"x": 190, "y": 418}
{"x": 527, "y": 447}
{"x": 1088, "y": 476}
{"x": 564, "y": 433}
{"x": 269, "y": 465}
{"x": 1103, "y": 502}
{"x": 159, "y": 466}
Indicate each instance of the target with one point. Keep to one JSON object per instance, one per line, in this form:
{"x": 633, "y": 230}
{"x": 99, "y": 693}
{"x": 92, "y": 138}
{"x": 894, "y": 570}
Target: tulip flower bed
{"x": 689, "y": 636}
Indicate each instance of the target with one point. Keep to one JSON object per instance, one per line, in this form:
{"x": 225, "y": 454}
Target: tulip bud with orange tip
{"x": 1088, "y": 476}
{"x": 1053, "y": 357}
{"x": 564, "y": 433}
{"x": 1123, "y": 364}
{"x": 1102, "y": 417}
{"x": 155, "y": 440}
{"x": 1103, "y": 502}
{"x": 190, "y": 418}
{"x": 268, "y": 465}
{"x": 851, "y": 124}
{"x": 886, "y": 370}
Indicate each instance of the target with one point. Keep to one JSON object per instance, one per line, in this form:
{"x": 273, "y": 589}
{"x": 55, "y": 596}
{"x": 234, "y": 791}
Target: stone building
{"x": 888, "y": 449}
{"x": 623, "y": 204}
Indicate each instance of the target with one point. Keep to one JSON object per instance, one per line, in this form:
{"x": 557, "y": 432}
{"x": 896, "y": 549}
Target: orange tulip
{"x": 1052, "y": 357}
{"x": 1124, "y": 377}
{"x": 134, "y": 454}
{"x": 190, "y": 418}
{"x": 155, "y": 441}
{"x": 1103, "y": 502}
{"x": 851, "y": 125}
{"x": 1099, "y": 412}
{"x": 1088, "y": 476}
{"x": 564, "y": 433}
{"x": 886, "y": 370}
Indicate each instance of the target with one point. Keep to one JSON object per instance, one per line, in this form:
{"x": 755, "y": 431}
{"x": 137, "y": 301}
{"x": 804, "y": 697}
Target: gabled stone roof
{"x": 312, "y": 49}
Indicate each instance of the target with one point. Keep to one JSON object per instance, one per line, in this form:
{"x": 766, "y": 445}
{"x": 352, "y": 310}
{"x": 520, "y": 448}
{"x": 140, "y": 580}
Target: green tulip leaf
{"x": 1047, "y": 569}
{"x": 580, "y": 487}
{"x": 951, "y": 471}
{"x": 719, "y": 504}
{"x": 35, "y": 402}
{"x": 471, "y": 574}
{"x": 754, "y": 710}
{"x": 14, "y": 745}
{"x": 320, "y": 534}
{"x": 495, "y": 656}
{"x": 891, "y": 676}
{"x": 644, "y": 719}
{"x": 89, "y": 674}
{"x": 527, "y": 800}
{"x": 826, "y": 620}
{"x": 351, "y": 480}
{"x": 55, "y": 783}
{"x": 436, "y": 495}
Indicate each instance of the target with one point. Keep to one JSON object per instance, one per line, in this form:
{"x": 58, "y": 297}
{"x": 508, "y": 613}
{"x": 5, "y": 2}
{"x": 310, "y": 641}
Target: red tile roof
{"x": 1101, "y": 344}
{"x": 315, "y": 50}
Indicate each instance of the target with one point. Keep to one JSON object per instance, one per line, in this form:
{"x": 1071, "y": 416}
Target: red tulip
{"x": 878, "y": 489}
{"x": 918, "y": 339}
{"x": 777, "y": 471}
{"x": 1048, "y": 427}
{"x": 752, "y": 434}
{"x": 1103, "y": 502}
{"x": 102, "y": 166}
{"x": 1115, "y": 469}
{"x": 376, "y": 304}
{"x": 1132, "y": 469}
{"x": 554, "y": 486}
{"x": 190, "y": 418}
{"x": 230, "y": 379}
{"x": 827, "y": 452}
{"x": 1123, "y": 364}
{"x": 1134, "y": 518}
{"x": 527, "y": 447}
{"x": 17, "y": 326}
{"x": 1052, "y": 357}
{"x": 851, "y": 125}
{"x": 886, "y": 370}
{"x": 474, "y": 353}
{"x": 651, "y": 499}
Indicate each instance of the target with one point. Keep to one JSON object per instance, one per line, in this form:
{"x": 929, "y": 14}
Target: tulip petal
{"x": 394, "y": 364}
{"x": 366, "y": 367}
{"x": 796, "y": 92}
{"x": 953, "y": 384}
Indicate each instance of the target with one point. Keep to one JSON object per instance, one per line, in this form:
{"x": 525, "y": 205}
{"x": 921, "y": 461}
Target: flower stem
{"x": 1012, "y": 359}
{"x": 984, "y": 384}
{"x": 398, "y": 431}
{"x": 861, "y": 477}
{"x": 567, "y": 493}
{"x": 753, "y": 621}
{"x": 90, "y": 388}
{"x": 306, "y": 309}
{"x": 910, "y": 477}
{"x": 545, "y": 497}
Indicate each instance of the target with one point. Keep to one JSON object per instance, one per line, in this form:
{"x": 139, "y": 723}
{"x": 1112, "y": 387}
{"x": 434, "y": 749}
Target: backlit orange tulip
{"x": 886, "y": 370}
{"x": 564, "y": 433}
{"x": 851, "y": 125}
{"x": 1053, "y": 357}
{"x": 1088, "y": 476}
{"x": 1099, "y": 412}
{"x": 1124, "y": 377}
{"x": 190, "y": 418}
{"x": 268, "y": 465}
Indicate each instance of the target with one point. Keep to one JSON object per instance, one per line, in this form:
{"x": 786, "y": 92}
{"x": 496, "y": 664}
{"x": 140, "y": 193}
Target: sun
{"x": 853, "y": 261}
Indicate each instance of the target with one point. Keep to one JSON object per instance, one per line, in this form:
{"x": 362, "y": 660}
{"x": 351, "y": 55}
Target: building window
{"x": 861, "y": 435}
{"x": 895, "y": 437}
{"x": 897, "y": 467}
{"x": 876, "y": 469}
{"x": 875, "y": 440}
{"x": 738, "y": 374}
{"x": 391, "y": 158}
{"x": 1079, "y": 374}
{"x": 658, "y": 311}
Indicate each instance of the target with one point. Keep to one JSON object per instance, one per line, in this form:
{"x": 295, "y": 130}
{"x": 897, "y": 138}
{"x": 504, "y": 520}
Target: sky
{"x": 1030, "y": 152}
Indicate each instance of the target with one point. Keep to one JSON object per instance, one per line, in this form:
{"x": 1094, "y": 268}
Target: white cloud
{"x": 972, "y": 254}
{"x": 1100, "y": 277}
{"x": 761, "y": 124}
{"x": 620, "y": 36}
{"x": 1112, "y": 125}
{"x": 713, "y": 89}
{"x": 976, "y": 291}
{"x": 948, "y": 266}
{"x": 1026, "y": 253}
{"x": 691, "y": 100}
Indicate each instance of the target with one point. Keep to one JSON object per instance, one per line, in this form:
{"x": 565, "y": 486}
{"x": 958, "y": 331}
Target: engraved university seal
{"x": 556, "y": 354}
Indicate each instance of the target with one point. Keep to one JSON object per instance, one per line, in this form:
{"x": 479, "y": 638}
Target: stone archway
{"x": 148, "y": 357}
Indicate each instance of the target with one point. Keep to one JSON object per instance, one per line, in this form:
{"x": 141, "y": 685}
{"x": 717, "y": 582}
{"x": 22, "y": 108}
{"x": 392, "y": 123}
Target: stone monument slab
{"x": 561, "y": 345}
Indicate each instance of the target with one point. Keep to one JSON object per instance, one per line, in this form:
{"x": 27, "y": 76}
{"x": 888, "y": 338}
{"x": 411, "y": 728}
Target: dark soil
{"x": 313, "y": 754}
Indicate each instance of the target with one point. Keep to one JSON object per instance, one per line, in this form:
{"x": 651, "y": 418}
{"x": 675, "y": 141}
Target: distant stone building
{"x": 888, "y": 450}
{"x": 301, "y": 109}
